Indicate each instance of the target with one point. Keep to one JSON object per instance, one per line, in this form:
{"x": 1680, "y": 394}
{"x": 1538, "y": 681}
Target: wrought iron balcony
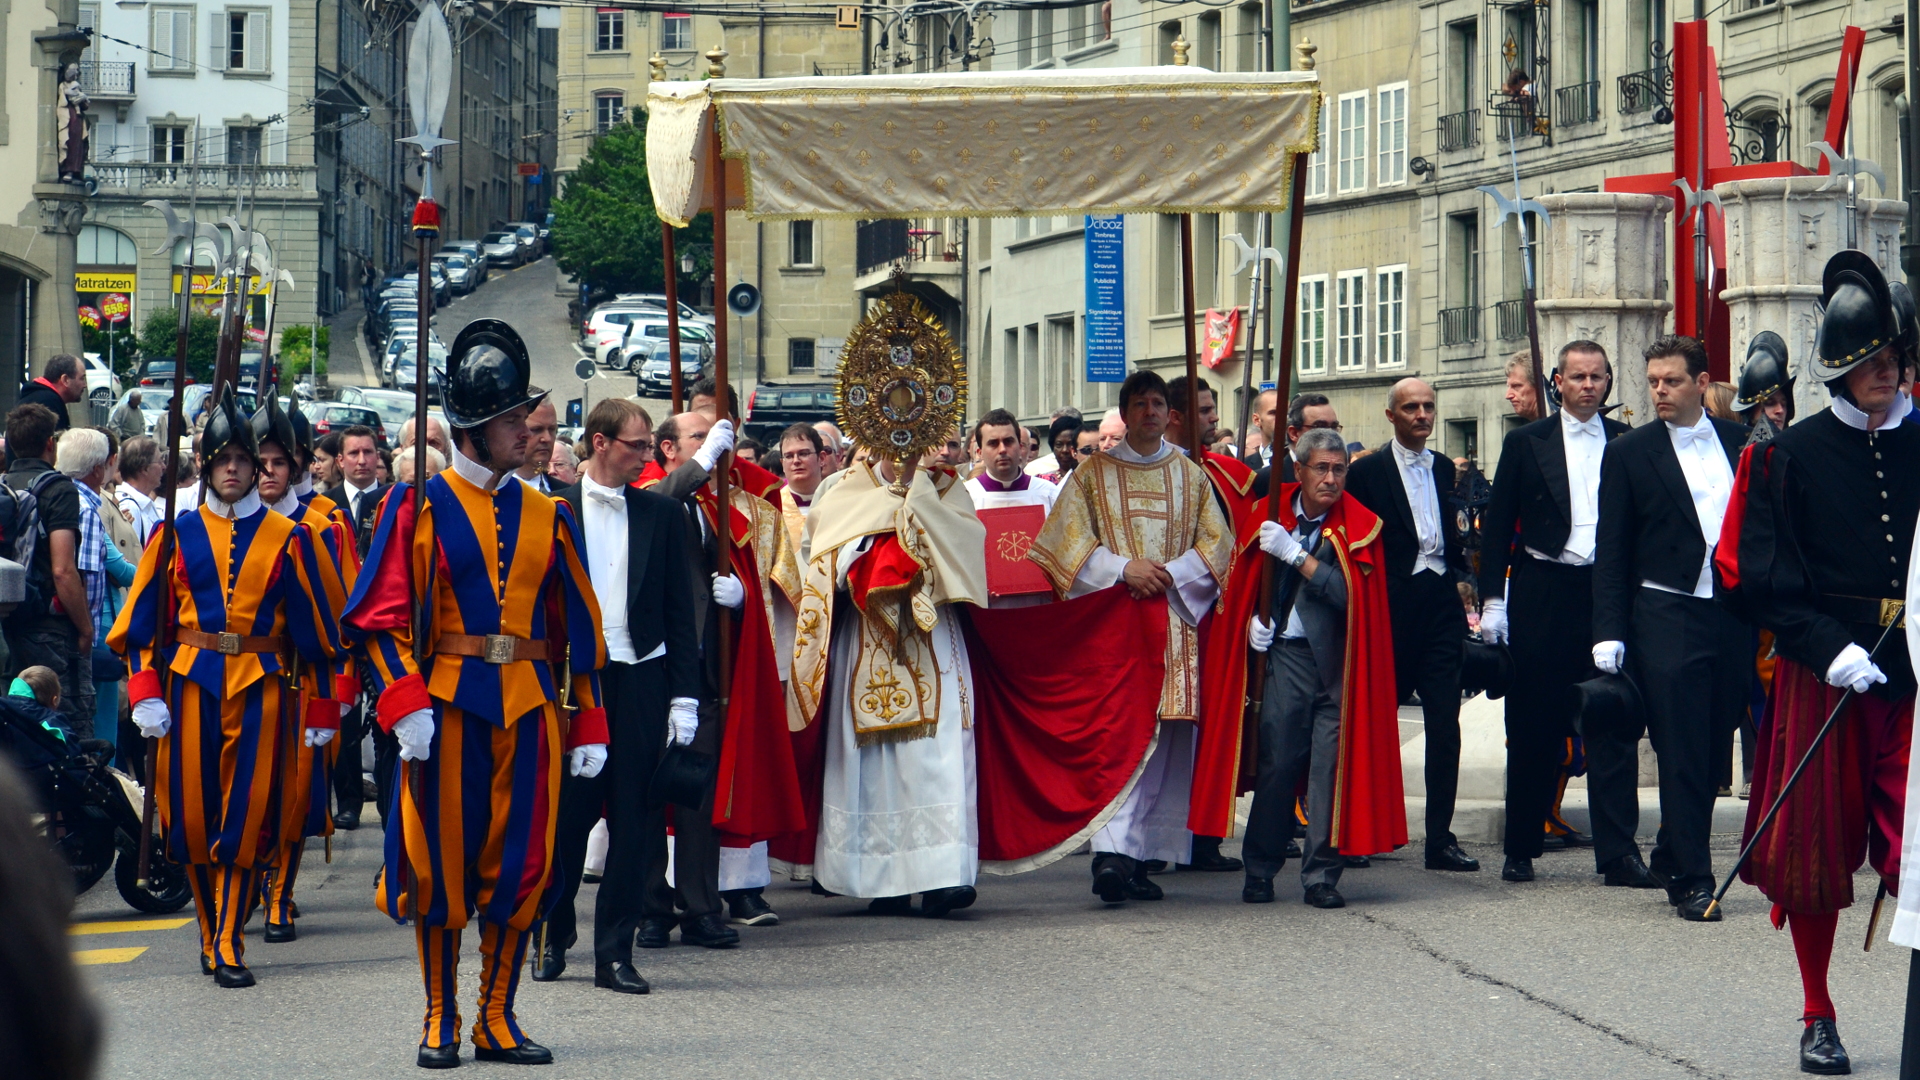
{"x": 1517, "y": 116}
{"x": 877, "y": 243}
{"x": 1510, "y": 319}
{"x": 1460, "y": 130}
{"x": 836, "y": 69}
{"x": 1645, "y": 91}
{"x": 1459, "y": 325}
{"x": 107, "y": 79}
{"x": 1577, "y": 104}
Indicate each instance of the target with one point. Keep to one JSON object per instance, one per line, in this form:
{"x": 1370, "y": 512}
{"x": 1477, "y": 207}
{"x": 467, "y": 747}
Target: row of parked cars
{"x": 629, "y": 333}
{"x": 392, "y": 324}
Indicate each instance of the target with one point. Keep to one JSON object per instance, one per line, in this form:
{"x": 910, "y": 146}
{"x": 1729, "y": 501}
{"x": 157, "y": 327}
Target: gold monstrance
{"x": 901, "y": 386}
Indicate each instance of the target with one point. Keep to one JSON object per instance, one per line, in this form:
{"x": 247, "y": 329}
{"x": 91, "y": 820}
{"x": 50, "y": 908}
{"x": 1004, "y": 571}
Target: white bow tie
{"x": 1589, "y": 426}
{"x": 614, "y": 499}
{"x": 1687, "y": 436}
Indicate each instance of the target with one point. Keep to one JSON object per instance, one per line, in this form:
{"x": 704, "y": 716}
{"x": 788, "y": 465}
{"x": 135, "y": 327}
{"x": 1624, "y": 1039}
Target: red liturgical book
{"x": 1010, "y": 532}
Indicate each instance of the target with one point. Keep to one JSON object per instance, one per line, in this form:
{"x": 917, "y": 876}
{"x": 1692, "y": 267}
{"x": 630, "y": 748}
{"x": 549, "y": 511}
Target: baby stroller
{"x": 92, "y": 810}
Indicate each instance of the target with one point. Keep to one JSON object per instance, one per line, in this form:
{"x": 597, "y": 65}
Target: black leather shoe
{"x": 232, "y": 978}
{"x": 1517, "y": 869}
{"x": 1356, "y": 862}
{"x": 1207, "y": 858}
{"x": 817, "y": 889}
{"x": 890, "y": 905}
{"x": 1293, "y": 850}
{"x": 709, "y": 931}
{"x": 1576, "y": 839}
{"x": 439, "y": 1057}
{"x": 1628, "y": 871}
{"x": 1154, "y": 866}
{"x": 349, "y": 820}
{"x": 656, "y": 932}
{"x": 748, "y": 908}
{"x": 1325, "y": 896}
{"x": 620, "y": 977}
{"x": 206, "y": 965}
{"x": 1142, "y": 887}
{"x": 588, "y": 877}
{"x": 1820, "y": 1050}
{"x": 1451, "y": 858}
{"x": 1110, "y": 885}
{"x": 1693, "y": 906}
{"x": 280, "y": 933}
{"x": 1553, "y": 842}
{"x": 527, "y": 1053}
{"x": 1257, "y": 890}
{"x": 550, "y": 961}
{"x": 942, "y": 902}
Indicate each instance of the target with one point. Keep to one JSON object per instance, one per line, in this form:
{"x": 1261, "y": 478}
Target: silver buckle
{"x": 500, "y": 648}
{"x": 229, "y": 645}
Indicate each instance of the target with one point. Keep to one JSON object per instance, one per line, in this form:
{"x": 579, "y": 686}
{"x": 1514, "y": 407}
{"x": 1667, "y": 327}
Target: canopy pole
{"x": 673, "y": 313}
{"x": 1190, "y": 416}
{"x": 722, "y": 396}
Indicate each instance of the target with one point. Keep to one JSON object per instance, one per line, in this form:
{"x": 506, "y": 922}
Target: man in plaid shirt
{"x": 82, "y": 456}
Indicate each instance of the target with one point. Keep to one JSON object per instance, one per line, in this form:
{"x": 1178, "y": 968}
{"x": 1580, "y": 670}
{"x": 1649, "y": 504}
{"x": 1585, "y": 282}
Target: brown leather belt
{"x": 229, "y": 644}
{"x": 1865, "y": 610}
{"x": 493, "y": 648}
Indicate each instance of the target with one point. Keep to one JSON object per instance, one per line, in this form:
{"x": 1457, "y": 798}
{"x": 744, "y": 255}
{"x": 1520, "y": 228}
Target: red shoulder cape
{"x": 1222, "y": 751}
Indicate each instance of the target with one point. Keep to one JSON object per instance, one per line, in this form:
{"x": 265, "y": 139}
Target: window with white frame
{"x": 1390, "y": 317}
{"x": 1351, "y": 143}
{"x": 1391, "y": 112}
{"x": 1313, "y": 325}
{"x": 243, "y": 45}
{"x": 1350, "y": 320}
{"x": 171, "y": 143}
{"x": 676, "y": 31}
{"x": 610, "y": 30}
{"x": 609, "y": 108}
{"x": 1317, "y": 164}
{"x": 170, "y": 42}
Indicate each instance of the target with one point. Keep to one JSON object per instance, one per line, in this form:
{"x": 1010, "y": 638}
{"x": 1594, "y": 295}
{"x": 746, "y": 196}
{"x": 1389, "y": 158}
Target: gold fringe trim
{"x": 897, "y": 733}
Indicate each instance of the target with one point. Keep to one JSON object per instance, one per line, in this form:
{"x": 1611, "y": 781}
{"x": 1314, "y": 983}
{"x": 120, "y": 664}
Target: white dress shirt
{"x": 1194, "y": 589}
{"x": 145, "y": 510}
{"x": 355, "y": 494}
{"x": 603, "y": 524}
{"x": 1308, "y": 534}
{"x": 1416, "y": 475}
{"x": 1584, "y": 440}
{"x": 1710, "y": 479}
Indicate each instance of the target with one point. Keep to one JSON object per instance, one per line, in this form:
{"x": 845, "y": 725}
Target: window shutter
{"x": 214, "y": 150}
{"x": 162, "y": 40}
{"x": 277, "y": 145}
{"x": 258, "y": 59}
{"x": 142, "y": 150}
{"x": 217, "y": 41}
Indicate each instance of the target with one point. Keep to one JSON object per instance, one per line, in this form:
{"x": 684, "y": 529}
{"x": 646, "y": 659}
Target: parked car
{"x": 503, "y": 248}
{"x": 158, "y": 371}
{"x": 637, "y": 343}
{"x": 459, "y": 272}
{"x": 472, "y": 252}
{"x": 607, "y": 324}
{"x": 401, "y": 365}
{"x": 546, "y": 231}
{"x": 332, "y": 416}
{"x": 772, "y": 407}
{"x": 659, "y": 300}
{"x": 103, "y": 385}
{"x": 529, "y": 235}
{"x": 656, "y": 372}
{"x": 193, "y": 400}
{"x": 394, "y": 406}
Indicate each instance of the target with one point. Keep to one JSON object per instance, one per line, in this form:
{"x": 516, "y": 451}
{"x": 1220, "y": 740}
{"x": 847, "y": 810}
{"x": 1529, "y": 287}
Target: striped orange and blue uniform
{"x": 476, "y": 824}
{"x": 306, "y": 805}
{"x": 223, "y": 765}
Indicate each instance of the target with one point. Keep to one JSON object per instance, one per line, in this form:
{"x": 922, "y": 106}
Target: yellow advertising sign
{"x": 204, "y": 284}
{"x": 88, "y": 281}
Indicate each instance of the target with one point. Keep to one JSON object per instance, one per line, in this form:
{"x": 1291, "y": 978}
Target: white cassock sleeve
{"x": 1194, "y": 589}
{"x": 1101, "y": 571}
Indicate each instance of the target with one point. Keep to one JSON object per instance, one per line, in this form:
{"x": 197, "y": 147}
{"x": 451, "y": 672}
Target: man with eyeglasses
{"x": 1306, "y": 412}
{"x": 1321, "y": 689}
{"x": 802, "y": 461}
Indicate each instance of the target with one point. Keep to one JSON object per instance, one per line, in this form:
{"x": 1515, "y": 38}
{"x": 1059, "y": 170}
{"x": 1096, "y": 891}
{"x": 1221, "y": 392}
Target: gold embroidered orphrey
{"x": 901, "y": 386}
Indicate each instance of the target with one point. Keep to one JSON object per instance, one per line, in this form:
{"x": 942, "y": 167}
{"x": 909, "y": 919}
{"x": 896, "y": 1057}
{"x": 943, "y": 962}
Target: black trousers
{"x": 349, "y": 785}
{"x": 636, "y": 697}
{"x": 1550, "y": 634}
{"x": 1429, "y": 623}
{"x": 1299, "y": 736}
{"x": 1689, "y": 659}
{"x": 696, "y": 845}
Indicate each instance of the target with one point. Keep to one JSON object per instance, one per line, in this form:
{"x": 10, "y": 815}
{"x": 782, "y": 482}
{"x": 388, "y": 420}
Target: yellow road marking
{"x": 86, "y": 957}
{"x": 126, "y": 926}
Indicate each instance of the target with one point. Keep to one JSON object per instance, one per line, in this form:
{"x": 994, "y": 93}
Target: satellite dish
{"x": 743, "y": 299}
{"x": 585, "y": 369}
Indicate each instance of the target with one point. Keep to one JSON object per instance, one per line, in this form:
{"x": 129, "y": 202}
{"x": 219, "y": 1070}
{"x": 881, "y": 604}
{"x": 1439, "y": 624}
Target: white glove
{"x": 728, "y": 592}
{"x": 719, "y": 441}
{"x": 587, "y": 760}
{"x": 1608, "y": 656}
{"x": 1276, "y": 541}
{"x": 415, "y": 732}
{"x": 1260, "y": 634}
{"x": 1853, "y": 667}
{"x": 683, "y": 719}
{"x": 1493, "y": 621}
{"x": 319, "y": 736}
{"x": 152, "y": 716}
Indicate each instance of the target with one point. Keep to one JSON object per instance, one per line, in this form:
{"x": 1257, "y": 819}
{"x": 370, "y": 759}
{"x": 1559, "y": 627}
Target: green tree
{"x": 157, "y": 337}
{"x": 296, "y": 356}
{"x": 124, "y": 350}
{"x": 605, "y": 232}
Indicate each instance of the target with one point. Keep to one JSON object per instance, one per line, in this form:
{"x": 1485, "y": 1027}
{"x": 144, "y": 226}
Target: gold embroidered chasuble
{"x": 1157, "y": 511}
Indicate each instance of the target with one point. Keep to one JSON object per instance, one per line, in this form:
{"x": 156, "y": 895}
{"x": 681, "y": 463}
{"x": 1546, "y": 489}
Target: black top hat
{"x": 272, "y": 424}
{"x": 226, "y": 426}
{"x": 487, "y": 373}
{"x": 1859, "y": 319}
{"x": 1485, "y": 666}
{"x": 684, "y": 777}
{"x": 1607, "y": 703}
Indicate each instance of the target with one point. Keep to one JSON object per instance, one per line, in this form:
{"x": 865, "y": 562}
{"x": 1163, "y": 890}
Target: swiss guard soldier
{"x": 283, "y": 458}
{"x": 1815, "y": 549}
{"x": 1764, "y": 398}
{"x": 221, "y": 643}
{"x": 473, "y": 614}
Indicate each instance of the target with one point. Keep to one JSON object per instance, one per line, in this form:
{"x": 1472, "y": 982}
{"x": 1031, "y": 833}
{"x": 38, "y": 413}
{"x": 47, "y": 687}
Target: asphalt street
{"x": 1422, "y": 975}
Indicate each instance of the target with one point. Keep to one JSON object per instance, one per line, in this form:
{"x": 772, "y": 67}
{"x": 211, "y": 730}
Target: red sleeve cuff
{"x": 143, "y": 686}
{"x": 589, "y": 728}
{"x": 323, "y": 713}
{"x": 345, "y": 687}
{"x": 404, "y": 695}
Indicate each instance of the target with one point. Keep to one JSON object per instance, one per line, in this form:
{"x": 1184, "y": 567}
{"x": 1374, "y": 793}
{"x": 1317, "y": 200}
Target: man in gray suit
{"x": 1300, "y": 708}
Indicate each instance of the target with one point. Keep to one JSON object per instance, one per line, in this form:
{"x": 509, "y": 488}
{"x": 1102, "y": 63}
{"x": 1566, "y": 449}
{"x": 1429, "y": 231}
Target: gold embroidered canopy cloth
{"x": 984, "y": 144}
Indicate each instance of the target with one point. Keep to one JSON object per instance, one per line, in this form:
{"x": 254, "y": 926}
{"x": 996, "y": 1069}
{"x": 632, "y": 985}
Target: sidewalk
{"x": 347, "y": 361}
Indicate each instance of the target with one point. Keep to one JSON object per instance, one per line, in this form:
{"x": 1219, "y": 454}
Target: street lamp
{"x": 686, "y": 263}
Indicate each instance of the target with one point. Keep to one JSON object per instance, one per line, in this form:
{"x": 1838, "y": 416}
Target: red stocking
{"x": 1813, "y": 947}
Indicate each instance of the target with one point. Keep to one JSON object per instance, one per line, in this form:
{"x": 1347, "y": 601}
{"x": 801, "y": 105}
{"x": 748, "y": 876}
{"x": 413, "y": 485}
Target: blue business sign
{"x": 1106, "y": 298}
